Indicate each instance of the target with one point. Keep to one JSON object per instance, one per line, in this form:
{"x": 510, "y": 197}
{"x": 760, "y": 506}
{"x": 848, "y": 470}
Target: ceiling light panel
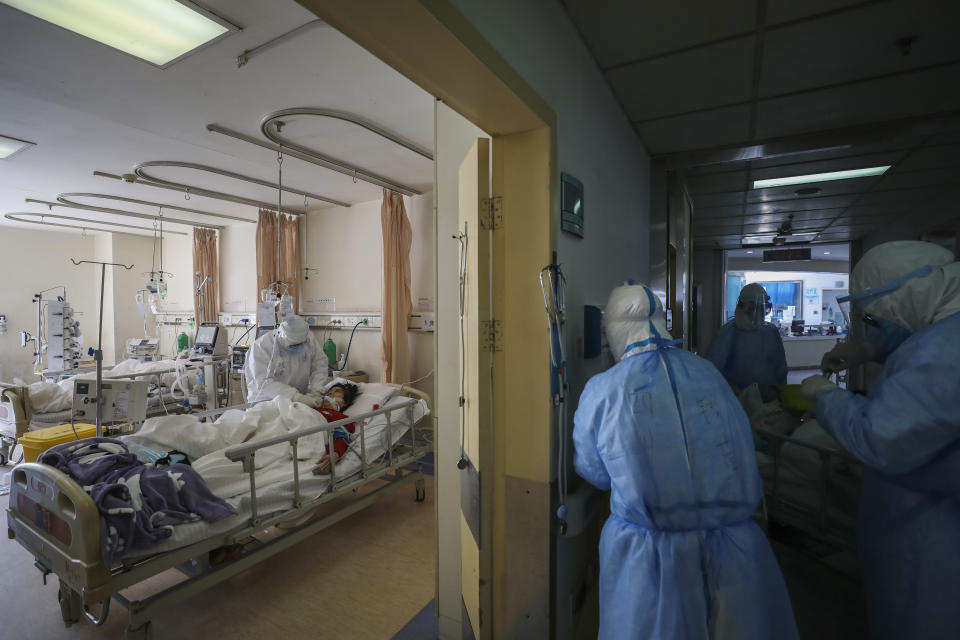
{"x": 11, "y": 146}
{"x": 158, "y": 31}
{"x": 821, "y": 177}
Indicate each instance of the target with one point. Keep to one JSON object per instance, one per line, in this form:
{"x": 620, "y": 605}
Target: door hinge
{"x": 491, "y": 213}
{"x": 491, "y": 335}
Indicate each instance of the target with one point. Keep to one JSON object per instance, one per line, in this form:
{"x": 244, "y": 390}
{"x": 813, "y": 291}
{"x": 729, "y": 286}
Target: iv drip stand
{"x": 98, "y": 354}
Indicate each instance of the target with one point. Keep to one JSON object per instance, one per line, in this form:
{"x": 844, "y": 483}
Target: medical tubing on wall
{"x": 552, "y": 286}
{"x": 463, "y": 241}
{"x": 346, "y": 358}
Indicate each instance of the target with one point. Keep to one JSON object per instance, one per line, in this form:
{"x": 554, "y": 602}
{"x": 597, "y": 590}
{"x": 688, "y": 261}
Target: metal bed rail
{"x": 246, "y": 453}
{"x": 814, "y": 520}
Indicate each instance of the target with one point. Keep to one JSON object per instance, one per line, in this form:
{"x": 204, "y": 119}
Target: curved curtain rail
{"x": 271, "y": 124}
{"x": 146, "y": 178}
{"x": 84, "y": 227}
{"x": 346, "y": 117}
{"x": 65, "y": 199}
{"x": 121, "y": 212}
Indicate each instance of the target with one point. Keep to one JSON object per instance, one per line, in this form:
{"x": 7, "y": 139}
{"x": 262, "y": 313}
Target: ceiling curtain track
{"x": 144, "y": 177}
{"x": 121, "y": 212}
{"x": 271, "y": 125}
{"x": 83, "y": 227}
{"x": 66, "y": 198}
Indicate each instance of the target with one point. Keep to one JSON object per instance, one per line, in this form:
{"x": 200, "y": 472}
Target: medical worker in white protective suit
{"x": 906, "y": 431}
{"x": 680, "y": 558}
{"x": 287, "y": 363}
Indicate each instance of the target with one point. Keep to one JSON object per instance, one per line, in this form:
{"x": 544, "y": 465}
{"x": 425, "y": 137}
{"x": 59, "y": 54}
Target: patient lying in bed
{"x": 337, "y": 399}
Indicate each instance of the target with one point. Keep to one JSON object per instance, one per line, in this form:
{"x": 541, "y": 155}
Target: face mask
{"x": 296, "y": 348}
{"x": 884, "y": 335}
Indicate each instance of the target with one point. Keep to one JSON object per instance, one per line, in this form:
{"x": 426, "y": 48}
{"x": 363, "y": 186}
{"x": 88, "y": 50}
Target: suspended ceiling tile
{"x": 858, "y": 44}
{"x": 916, "y": 94}
{"x": 889, "y": 144}
{"x": 712, "y": 76}
{"x": 713, "y": 200}
{"x": 935, "y": 157}
{"x": 717, "y": 183}
{"x": 798, "y": 216}
{"x": 779, "y": 11}
{"x": 703, "y": 130}
{"x": 918, "y": 179}
{"x": 904, "y": 197}
{"x": 619, "y": 32}
{"x": 801, "y": 204}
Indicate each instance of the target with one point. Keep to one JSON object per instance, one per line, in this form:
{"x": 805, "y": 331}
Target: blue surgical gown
{"x": 745, "y": 357}
{"x": 907, "y": 433}
{"x": 680, "y": 558}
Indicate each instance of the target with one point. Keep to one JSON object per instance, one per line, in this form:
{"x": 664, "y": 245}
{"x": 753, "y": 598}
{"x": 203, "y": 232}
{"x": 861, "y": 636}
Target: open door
{"x": 476, "y": 468}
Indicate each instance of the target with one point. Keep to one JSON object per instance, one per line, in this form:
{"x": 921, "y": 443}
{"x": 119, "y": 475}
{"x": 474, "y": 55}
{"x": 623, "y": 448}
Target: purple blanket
{"x": 139, "y": 504}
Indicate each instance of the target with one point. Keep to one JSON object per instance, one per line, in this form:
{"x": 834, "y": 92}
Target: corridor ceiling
{"x": 731, "y": 92}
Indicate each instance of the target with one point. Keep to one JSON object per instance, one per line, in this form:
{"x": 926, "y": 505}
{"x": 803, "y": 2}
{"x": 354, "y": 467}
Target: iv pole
{"x": 98, "y": 354}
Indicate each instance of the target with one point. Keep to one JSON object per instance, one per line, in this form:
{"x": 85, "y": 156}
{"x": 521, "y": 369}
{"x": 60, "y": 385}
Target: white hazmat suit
{"x": 286, "y": 363}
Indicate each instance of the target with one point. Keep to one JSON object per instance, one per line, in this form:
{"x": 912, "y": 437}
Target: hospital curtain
{"x": 396, "y": 305}
{"x": 290, "y": 254}
{"x": 290, "y": 269}
{"x": 266, "y": 249}
{"x": 206, "y": 263}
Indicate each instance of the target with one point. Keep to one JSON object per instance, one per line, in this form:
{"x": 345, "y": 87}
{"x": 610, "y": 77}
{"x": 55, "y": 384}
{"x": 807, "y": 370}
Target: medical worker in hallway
{"x": 680, "y": 558}
{"x": 747, "y": 349}
{"x": 288, "y": 363}
{"x": 906, "y": 431}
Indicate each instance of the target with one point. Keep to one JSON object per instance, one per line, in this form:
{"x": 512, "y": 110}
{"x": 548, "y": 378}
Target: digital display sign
{"x": 786, "y": 255}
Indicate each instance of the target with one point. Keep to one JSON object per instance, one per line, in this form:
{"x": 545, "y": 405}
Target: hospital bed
{"x": 810, "y": 483}
{"x": 57, "y": 522}
{"x": 19, "y": 415}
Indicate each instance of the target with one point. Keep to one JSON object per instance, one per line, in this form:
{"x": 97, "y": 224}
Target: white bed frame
{"x": 783, "y": 508}
{"x": 58, "y": 523}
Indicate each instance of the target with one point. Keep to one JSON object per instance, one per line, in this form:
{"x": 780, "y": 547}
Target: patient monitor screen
{"x": 206, "y": 335}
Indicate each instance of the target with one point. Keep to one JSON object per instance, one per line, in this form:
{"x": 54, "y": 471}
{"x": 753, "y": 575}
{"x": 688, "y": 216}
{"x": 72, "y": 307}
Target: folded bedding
{"x": 139, "y": 504}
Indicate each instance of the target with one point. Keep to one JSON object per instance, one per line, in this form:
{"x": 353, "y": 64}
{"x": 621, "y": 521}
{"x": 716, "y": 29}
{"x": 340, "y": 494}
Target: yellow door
{"x": 476, "y": 468}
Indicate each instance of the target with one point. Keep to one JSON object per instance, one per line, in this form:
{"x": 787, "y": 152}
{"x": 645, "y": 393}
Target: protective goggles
{"x": 751, "y": 306}
{"x": 865, "y": 297}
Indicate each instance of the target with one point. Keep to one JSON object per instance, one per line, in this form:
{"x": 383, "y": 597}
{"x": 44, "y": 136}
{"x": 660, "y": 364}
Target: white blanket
{"x": 206, "y": 444}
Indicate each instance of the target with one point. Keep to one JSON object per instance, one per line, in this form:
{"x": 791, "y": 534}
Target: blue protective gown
{"x": 680, "y": 558}
{"x": 745, "y": 357}
{"x": 907, "y": 433}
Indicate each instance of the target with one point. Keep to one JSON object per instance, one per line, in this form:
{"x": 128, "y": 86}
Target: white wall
{"x": 33, "y": 260}
{"x": 238, "y": 268}
{"x": 346, "y": 245}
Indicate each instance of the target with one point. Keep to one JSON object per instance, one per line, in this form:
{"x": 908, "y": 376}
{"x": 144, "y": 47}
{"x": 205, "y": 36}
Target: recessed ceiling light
{"x": 158, "y": 31}
{"x": 826, "y": 253}
{"x": 750, "y": 252}
{"x": 820, "y": 177}
{"x": 11, "y": 146}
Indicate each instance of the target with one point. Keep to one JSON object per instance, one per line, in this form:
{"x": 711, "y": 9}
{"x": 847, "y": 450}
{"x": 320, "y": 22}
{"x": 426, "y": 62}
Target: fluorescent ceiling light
{"x": 821, "y": 177}
{"x": 826, "y": 253}
{"x": 768, "y": 239}
{"x": 11, "y": 146}
{"x": 158, "y": 31}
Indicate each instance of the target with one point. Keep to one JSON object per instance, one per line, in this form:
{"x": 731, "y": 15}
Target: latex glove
{"x": 846, "y": 355}
{"x": 814, "y": 386}
{"x": 310, "y": 401}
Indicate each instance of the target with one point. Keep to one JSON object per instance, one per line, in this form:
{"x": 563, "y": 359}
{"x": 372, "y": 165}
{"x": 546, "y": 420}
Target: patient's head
{"x": 341, "y": 395}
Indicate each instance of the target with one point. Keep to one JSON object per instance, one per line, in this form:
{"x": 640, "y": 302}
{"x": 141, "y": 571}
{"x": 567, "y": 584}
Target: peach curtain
{"x": 396, "y": 305}
{"x": 290, "y": 262}
{"x": 206, "y": 262}
{"x": 266, "y": 249}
